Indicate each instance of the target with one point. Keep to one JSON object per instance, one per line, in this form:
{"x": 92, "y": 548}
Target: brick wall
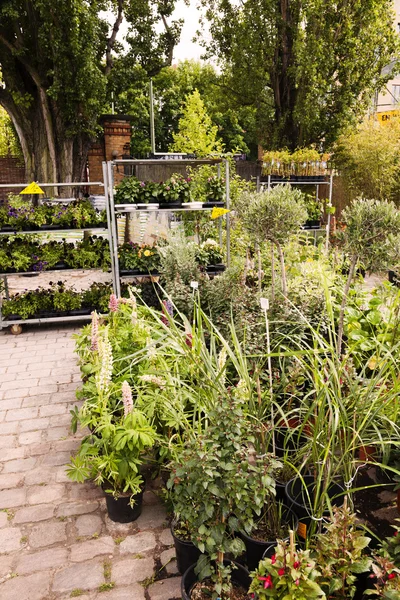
{"x": 12, "y": 170}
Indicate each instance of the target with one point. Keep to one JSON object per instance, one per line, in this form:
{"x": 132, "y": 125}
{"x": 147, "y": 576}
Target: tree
{"x": 308, "y": 67}
{"x": 369, "y": 159}
{"x": 196, "y": 134}
{"x": 55, "y": 59}
{"x": 275, "y": 216}
{"x": 372, "y": 236}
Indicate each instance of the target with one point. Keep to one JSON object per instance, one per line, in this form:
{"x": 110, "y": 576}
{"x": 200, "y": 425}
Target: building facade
{"x": 389, "y": 99}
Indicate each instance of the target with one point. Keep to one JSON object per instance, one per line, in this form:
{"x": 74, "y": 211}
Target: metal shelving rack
{"x": 16, "y": 324}
{"x": 109, "y": 191}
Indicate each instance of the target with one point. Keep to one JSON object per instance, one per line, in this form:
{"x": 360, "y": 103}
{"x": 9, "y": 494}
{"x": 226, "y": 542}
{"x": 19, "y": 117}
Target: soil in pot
{"x": 265, "y": 536}
{"x": 120, "y": 510}
{"x": 240, "y": 579}
{"x": 186, "y": 552}
{"x": 300, "y": 497}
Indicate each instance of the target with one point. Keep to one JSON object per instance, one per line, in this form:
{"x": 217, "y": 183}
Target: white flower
{"x": 103, "y": 378}
{"x": 151, "y": 349}
{"x": 153, "y": 379}
{"x": 127, "y": 398}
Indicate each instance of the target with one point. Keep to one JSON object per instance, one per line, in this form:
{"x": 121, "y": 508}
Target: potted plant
{"x": 341, "y": 552}
{"x": 215, "y": 492}
{"x": 113, "y": 453}
{"x": 289, "y": 574}
{"x": 127, "y": 192}
{"x": 175, "y": 191}
{"x": 314, "y": 211}
{"x": 215, "y": 192}
{"x": 210, "y": 255}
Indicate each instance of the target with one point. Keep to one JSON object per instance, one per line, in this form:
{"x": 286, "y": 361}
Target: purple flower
{"x": 113, "y": 304}
{"x": 142, "y": 184}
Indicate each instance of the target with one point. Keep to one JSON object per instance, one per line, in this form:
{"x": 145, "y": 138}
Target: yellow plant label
{"x": 302, "y": 530}
{"x": 218, "y": 212}
{"x": 32, "y": 188}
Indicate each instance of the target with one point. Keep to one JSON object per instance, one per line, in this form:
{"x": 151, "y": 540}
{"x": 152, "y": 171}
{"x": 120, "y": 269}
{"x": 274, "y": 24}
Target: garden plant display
{"x": 199, "y": 358}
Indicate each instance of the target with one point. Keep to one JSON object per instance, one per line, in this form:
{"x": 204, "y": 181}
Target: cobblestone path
{"x": 56, "y": 541}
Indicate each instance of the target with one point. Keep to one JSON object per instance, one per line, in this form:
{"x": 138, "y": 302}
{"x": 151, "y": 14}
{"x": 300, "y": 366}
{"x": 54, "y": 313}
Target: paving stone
{"x": 19, "y": 383}
{"x": 6, "y": 562}
{"x": 86, "y": 576}
{"x": 21, "y": 414}
{"x": 133, "y": 592}
{"x": 11, "y": 480}
{"x": 38, "y": 449}
{"x": 85, "y": 550}
{"x": 47, "y": 534}
{"x": 39, "y": 476}
{"x": 7, "y": 441}
{"x": 11, "y": 404}
{"x": 56, "y": 433}
{"x": 12, "y": 453}
{"x": 139, "y": 543}
{"x": 57, "y": 458}
{"x": 52, "y": 409}
{"x": 88, "y": 525}
{"x": 152, "y": 516}
{"x": 149, "y": 497}
{"x": 76, "y": 508}
{"x": 166, "y": 538}
{"x": 168, "y": 560}
{"x": 44, "y": 560}
{"x": 30, "y": 437}
{"x": 10, "y": 540}
{"x": 20, "y": 465}
{"x": 166, "y": 589}
{"x": 39, "y": 401}
{"x": 61, "y": 420}
{"x": 12, "y": 498}
{"x": 33, "y": 514}
{"x": 4, "y": 520}
{"x": 45, "y": 493}
{"x": 32, "y": 587}
{"x": 34, "y": 424}
{"x": 132, "y": 570}
{"x": 36, "y": 390}
{"x": 87, "y": 492}
{"x": 9, "y": 427}
{"x": 71, "y": 444}
{"x": 9, "y": 394}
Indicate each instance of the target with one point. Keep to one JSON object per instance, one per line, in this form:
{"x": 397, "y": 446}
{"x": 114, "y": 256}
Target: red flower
{"x": 189, "y": 339}
{"x": 297, "y": 582}
{"x": 296, "y": 564}
{"x": 395, "y": 533}
{"x": 273, "y": 559}
{"x": 391, "y": 575}
{"x": 281, "y": 572}
{"x": 267, "y": 581}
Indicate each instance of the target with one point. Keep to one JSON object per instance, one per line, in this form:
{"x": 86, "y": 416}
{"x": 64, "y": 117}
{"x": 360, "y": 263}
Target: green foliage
{"x": 215, "y": 489}
{"x": 133, "y": 256}
{"x": 9, "y": 143}
{"x": 273, "y": 215}
{"x": 307, "y": 69}
{"x": 289, "y": 575}
{"x": 341, "y": 554}
{"x": 371, "y": 233}
{"x": 196, "y": 134}
{"x": 368, "y": 158}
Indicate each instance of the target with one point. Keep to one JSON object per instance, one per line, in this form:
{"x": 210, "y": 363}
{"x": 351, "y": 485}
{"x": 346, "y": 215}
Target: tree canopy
{"x": 196, "y": 134}
{"x": 307, "y": 67}
{"x": 56, "y": 57}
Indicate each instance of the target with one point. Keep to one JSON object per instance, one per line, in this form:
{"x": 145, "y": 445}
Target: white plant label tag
{"x": 194, "y": 284}
{"x": 264, "y": 302}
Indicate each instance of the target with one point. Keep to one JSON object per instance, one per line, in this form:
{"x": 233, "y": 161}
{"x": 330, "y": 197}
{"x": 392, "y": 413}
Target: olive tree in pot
{"x": 217, "y": 485}
{"x": 274, "y": 216}
{"x": 112, "y": 456}
{"x": 371, "y": 234}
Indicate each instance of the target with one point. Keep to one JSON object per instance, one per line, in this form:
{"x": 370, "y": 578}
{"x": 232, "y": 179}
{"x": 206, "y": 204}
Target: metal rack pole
{"x": 228, "y": 219}
{"x": 114, "y": 230}
{"x": 328, "y": 223}
{"x": 108, "y": 212}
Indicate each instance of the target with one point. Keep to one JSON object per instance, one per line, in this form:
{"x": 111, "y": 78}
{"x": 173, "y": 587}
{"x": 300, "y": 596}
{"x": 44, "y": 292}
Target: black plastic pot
{"x": 60, "y": 265}
{"x": 288, "y": 442}
{"x": 212, "y": 204}
{"x": 215, "y": 268}
{"x": 120, "y": 510}
{"x": 186, "y": 553}
{"x": 394, "y": 278}
{"x": 13, "y": 318}
{"x": 312, "y": 224}
{"x": 240, "y": 576}
{"x": 170, "y": 205}
{"x": 300, "y": 497}
{"x": 79, "y": 311}
{"x": 7, "y": 228}
{"x": 255, "y": 549}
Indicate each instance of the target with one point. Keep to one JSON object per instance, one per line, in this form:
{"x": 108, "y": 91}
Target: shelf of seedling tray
{"x": 36, "y": 231}
{"x": 8, "y": 323}
{"x": 10, "y": 274}
{"x": 139, "y": 274}
{"x": 181, "y": 209}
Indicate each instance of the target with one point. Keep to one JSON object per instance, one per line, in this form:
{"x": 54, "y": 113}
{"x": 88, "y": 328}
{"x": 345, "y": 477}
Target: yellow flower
{"x": 147, "y": 253}
{"x": 139, "y": 253}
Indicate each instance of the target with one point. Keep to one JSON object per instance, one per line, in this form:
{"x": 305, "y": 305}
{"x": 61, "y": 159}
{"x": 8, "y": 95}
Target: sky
{"x": 186, "y": 48}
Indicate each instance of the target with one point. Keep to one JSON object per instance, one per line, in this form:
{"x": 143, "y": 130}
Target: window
{"x": 396, "y": 93}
